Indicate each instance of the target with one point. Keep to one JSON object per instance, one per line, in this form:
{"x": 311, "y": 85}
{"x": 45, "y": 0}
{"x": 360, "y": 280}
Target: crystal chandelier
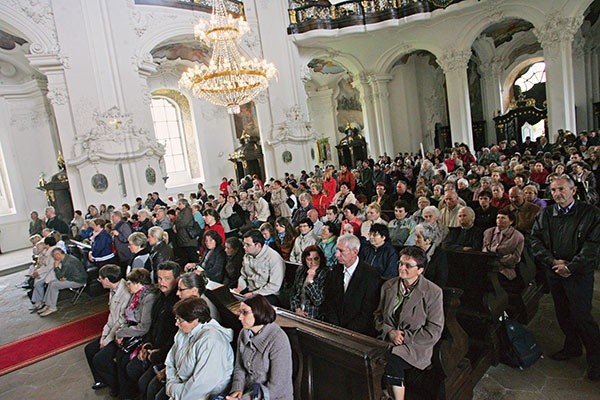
{"x": 230, "y": 79}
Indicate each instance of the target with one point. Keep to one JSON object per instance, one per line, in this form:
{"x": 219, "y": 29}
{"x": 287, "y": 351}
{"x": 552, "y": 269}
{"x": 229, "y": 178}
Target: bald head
{"x": 313, "y": 215}
{"x": 516, "y": 197}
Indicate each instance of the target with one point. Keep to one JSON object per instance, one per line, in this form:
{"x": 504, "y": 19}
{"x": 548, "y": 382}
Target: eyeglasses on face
{"x": 313, "y": 259}
{"x": 406, "y": 265}
{"x": 245, "y": 312}
{"x": 179, "y": 320}
{"x": 183, "y": 289}
{"x": 248, "y": 244}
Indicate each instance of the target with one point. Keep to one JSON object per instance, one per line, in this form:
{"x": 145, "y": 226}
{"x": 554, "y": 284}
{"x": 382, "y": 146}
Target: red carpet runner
{"x": 39, "y": 346}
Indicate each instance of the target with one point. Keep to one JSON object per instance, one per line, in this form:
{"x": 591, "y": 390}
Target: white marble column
{"x": 323, "y": 117}
{"x": 492, "y": 95}
{"x": 556, "y": 38}
{"x": 381, "y": 105}
{"x": 582, "y": 105}
{"x": 454, "y": 63}
{"x": 370, "y": 130}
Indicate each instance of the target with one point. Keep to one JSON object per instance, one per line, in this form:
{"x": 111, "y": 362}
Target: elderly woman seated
{"x": 200, "y": 363}
{"x": 428, "y": 239}
{"x": 431, "y": 215}
{"x": 466, "y": 236}
{"x": 410, "y": 317}
{"x": 505, "y": 241}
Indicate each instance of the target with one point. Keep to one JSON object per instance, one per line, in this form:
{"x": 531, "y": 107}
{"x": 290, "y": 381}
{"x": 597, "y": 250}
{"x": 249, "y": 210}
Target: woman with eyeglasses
{"x": 307, "y": 291}
{"x": 263, "y": 366}
{"x": 138, "y": 316}
{"x": 200, "y": 363}
{"x": 190, "y": 285}
{"x": 410, "y": 317}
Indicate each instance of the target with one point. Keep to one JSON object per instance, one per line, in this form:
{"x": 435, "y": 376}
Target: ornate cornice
{"x": 115, "y": 137}
{"x": 295, "y": 129}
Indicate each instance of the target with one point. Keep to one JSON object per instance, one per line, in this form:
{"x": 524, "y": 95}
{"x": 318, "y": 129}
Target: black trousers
{"x": 150, "y": 387}
{"x": 100, "y": 357}
{"x": 130, "y": 371}
{"x": 104, "y": 365}
{"x": 573, "y": 305}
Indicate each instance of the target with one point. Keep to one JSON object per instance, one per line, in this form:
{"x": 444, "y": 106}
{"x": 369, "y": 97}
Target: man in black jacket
{"x": 351, "y": 289}
{"x": 564, "y": 240}
{"x": 55, "y": 223}
{"x": 159, "y": 339}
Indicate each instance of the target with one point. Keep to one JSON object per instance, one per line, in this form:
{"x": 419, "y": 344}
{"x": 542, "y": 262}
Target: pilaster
{"x": 381, "y": 103}
{"x": 370, "y": 129}
{"x": 323, "y": 114}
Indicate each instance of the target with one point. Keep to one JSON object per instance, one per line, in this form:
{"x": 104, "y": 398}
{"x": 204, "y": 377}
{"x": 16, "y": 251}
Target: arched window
{"x": 173, "y": 128}
{"x": 536, "y": 73}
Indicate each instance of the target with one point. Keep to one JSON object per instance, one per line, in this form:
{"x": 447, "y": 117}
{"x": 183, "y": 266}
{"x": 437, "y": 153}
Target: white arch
{"x": 41, "y": 40}
{"x": 385, "y": 63}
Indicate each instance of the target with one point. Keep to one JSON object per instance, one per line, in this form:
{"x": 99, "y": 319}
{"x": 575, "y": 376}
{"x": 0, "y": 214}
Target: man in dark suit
{"x": 351, "y": 289}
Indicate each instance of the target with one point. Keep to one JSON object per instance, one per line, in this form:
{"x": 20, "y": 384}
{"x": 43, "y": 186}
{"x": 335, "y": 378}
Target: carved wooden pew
{"x": 335, "y": 363}
{"x": 525, "y": 291}
{"x": 482, "y": 304}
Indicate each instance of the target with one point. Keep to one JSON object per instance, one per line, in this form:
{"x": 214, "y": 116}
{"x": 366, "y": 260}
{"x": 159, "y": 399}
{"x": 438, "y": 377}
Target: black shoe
{"x": 593, "y": 373}
{"x": 99, "y": 385}
{"x": 565, "y": 354}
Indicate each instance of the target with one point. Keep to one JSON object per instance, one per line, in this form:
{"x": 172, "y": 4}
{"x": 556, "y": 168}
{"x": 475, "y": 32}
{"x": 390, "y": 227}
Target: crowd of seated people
{"x": 343, "y": 228}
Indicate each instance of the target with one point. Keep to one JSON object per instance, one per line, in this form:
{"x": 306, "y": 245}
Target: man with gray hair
{"x": 55, "y": 223}
{"x": 70, "y": 273}
{"x": 351, "y": 289}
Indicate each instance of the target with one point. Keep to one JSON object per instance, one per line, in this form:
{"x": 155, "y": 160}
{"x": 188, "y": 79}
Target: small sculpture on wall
{"x": 287, "y": 156}
{"x": 99, "y": 183}
{"x": 150, "y": 176}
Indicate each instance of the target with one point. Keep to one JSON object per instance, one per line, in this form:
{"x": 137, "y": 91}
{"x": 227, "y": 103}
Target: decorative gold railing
{"x": 307, "y": 15}
{"x": 235, "y": 7}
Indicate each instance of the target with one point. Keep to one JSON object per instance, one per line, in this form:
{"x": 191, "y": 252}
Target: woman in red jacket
{"x": 212, "y": 219}
{"x": 319, "y": 200}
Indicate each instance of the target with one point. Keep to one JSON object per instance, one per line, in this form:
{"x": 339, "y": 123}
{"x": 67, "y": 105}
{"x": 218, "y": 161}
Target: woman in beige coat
{"x": 278, "y": 199}
{"x": 410, "y": 317}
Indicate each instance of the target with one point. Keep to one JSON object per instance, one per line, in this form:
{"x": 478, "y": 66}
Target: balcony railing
{"x": 235, "y": 7}
{"x": 307, "y": 17}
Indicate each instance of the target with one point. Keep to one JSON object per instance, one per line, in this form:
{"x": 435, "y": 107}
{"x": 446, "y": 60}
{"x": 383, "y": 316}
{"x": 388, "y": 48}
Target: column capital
{"x": 557, "y": 29}
{"x": 454, "y": 60}
{"x": 379, "y": 78}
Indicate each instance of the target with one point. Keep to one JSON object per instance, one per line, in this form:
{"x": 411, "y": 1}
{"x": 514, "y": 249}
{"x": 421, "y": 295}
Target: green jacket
{"x": 71, "y": 269}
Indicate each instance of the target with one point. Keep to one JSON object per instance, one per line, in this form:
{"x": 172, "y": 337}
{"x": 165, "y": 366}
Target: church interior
{"x": 94, "y": 86}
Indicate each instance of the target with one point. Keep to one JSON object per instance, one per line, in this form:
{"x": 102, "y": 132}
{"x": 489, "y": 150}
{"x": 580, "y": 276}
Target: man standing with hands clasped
{"x": 565, "y": 239}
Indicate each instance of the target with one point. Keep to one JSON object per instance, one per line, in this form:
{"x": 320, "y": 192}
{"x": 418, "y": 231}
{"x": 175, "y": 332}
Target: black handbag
{"x": 194, "y": 231}
{"x": 128, "y": 345}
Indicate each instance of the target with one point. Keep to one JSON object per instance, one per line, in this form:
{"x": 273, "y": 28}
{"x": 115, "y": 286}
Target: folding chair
{"x": 78, "y": 292}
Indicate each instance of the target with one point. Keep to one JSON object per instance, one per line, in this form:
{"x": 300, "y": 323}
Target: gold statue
{"x": 60, "y": 161}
